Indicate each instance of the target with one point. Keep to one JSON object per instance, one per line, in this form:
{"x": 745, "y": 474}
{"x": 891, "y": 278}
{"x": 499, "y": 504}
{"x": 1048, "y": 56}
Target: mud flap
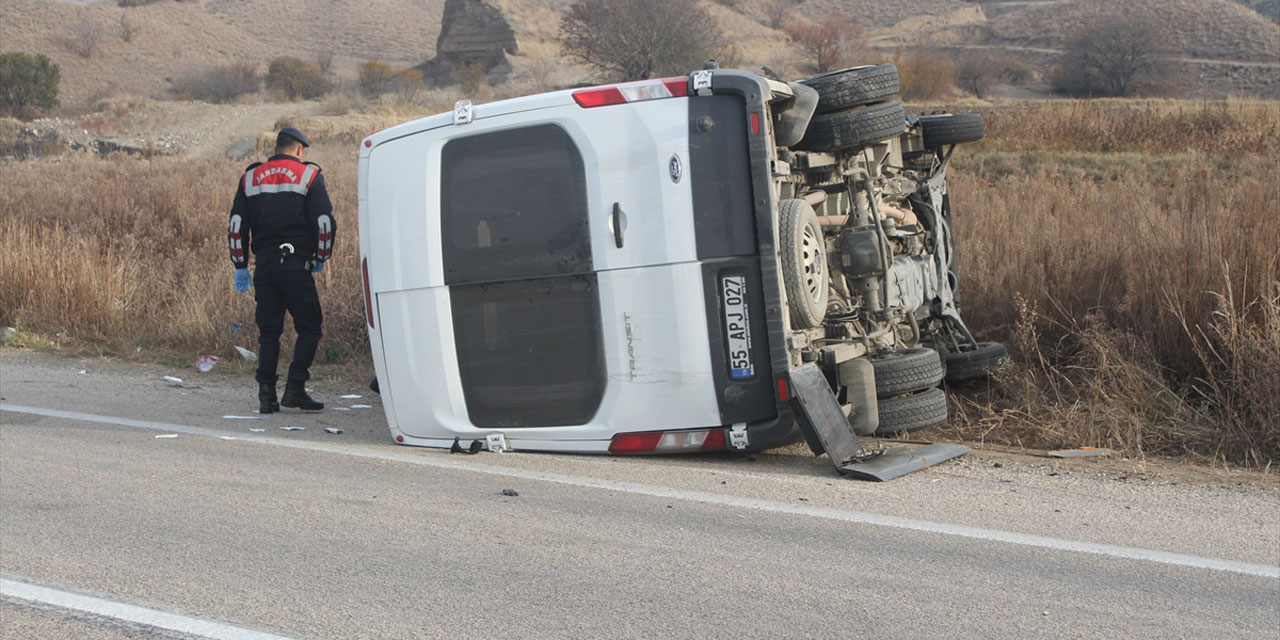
{"x": 827, "y": 429}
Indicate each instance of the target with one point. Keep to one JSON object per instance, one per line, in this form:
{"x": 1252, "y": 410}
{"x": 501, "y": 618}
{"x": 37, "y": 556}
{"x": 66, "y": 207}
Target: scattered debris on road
{"x": 258, "y": 430}
{"x": 247, "y": 354}
{"x": 167, "y": 436}
{"x": 244, "y": 417}
{"x": 332, "y": 430}
{"x": 292, "y": 428}
{"x": 351, "y": 396}
{"x": 204, "y": 364}
{"x": 510, "y": 492}
{"x": 361, "y": 406}
{"x": 173, "y": 380}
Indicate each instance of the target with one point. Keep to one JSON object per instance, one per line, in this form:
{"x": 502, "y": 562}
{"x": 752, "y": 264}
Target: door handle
{"x": 618, "y": 218}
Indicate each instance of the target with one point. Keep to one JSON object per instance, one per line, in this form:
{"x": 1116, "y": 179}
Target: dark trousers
{"x": 279, "y": 288}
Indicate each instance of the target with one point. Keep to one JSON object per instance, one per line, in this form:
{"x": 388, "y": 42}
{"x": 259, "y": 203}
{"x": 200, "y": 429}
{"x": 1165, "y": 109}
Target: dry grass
{"x": 136, "y": 257}
{"x": 1126, "y": 251}
{"x": 1137, "y": 289}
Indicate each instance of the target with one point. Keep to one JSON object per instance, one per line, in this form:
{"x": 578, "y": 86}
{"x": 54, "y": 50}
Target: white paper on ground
{"x": 361, "y": 406}
{"x": 167, "y": 435}
{"x": 332, "y": 430}
{"x": 342, "y": 408}
{"x": 292, "y": 428}
{"x": 173, "y": 380}
{"x": 245, "y": 417}
{"x": 258, "y": 430}
{"x": 247, "y": 354}
{"x": 349, "y": 396}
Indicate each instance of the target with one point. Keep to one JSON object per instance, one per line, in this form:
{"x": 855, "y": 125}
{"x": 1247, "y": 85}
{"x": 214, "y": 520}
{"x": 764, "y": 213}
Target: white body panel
{"x": 652, "y": 305}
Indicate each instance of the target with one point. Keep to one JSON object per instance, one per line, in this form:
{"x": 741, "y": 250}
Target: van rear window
{"x": 513, "y": 205}
{"x": 530, "y": 352}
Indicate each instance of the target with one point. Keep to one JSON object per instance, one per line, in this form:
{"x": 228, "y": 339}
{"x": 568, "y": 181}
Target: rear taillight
{"x": 368, "y": 297}
{"x": 632, "y": 92}
{"x": 668, "y": 441}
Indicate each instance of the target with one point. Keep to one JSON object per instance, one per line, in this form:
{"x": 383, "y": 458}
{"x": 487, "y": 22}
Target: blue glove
{"x": 318, "y": 268}
{"x": 243, "y": 281}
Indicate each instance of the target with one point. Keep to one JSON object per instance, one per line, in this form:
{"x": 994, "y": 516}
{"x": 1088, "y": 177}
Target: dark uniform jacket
{"x": 278, "y": 201}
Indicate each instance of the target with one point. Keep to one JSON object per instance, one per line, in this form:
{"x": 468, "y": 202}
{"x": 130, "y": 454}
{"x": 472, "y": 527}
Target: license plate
{"x": 737, "y": 325}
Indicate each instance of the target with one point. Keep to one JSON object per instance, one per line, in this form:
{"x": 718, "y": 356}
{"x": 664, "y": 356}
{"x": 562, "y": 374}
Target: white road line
{"x": 129, "y": 612}
{"x": 419, "y": 457}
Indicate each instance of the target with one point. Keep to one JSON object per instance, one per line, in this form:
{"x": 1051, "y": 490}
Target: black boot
{"x": 295, "y": 395}
{"x": 267, "y": 398}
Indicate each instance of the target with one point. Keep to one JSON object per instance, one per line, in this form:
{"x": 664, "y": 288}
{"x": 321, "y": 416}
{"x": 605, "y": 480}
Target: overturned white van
{"x": 638, "y": 268}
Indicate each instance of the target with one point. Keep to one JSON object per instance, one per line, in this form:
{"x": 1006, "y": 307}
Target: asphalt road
{"x": 304, "y": 534}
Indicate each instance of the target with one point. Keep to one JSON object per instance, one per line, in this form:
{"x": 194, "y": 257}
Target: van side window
{"x": 513, "y": 205}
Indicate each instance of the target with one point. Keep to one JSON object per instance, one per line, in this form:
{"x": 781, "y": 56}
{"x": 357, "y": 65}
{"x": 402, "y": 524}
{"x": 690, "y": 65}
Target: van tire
{"x": 907, "y": 371}
{"x": 804, "y": 263}
{"x": 912, "y": 412}
{"x": 839, "y": 90}
{"x": 951, "y": 128}
{"x": 987, "y": 358}
{"x": 854, "y": 127}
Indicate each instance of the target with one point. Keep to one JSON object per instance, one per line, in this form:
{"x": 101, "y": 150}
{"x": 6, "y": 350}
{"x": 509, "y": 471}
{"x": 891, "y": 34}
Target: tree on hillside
{"x": 1112, "y": 57}
{"x": 828, "y": 44}
{"x": 28, "y": 84}
{"x": 638, "y": 39}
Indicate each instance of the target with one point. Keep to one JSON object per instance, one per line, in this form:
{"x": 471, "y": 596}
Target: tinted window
{"x": 513, "y": 205}
{"x": 529, "y": 351}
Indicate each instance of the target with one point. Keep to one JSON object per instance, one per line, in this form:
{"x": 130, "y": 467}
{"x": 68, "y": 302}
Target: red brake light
{"x": 714, "y": 441}
{"x": 635, "y": 442}
{"x": 755, "y": 123}
{"x": 632, "y": 92}
{"x": 599, "y": 97}
{"x": 782, "y": 389}
{"x": 368, "y": 297}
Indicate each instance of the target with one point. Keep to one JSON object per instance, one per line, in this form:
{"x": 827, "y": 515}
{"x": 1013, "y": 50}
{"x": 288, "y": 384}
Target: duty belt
{"x": 287, "y": 251}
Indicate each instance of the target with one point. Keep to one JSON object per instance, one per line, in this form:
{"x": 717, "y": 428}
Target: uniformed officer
{"x": 283, "y": 214}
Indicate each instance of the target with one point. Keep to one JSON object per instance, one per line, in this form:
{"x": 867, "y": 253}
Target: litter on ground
{"x": 258, "y": 430}
{"x": 167, "y": 435}
{"x": 244, "y": 417}
{"x": 292, "y": 428}
{"x": 361, "y": 406}
{"x": 173, "y": 380}
{"x": 332, "y": 430}
{"x": 351, "y": 396}
{"x": 342, "y": 408}
{"x": 247, "y": 354}
{"x": 205, "y": 363}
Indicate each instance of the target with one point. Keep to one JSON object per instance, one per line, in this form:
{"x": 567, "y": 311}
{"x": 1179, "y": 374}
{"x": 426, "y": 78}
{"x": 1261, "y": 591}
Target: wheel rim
{"x": 811, "y": 249}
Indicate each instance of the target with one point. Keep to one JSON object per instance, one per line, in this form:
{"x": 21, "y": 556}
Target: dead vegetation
{"x": 1127, "y": 252}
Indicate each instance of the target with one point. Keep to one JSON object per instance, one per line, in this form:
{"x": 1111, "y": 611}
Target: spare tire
{"x": 980, "y": 362}
{"x": 804, "y": 263}
{"x": 854, "y": 86}
{"x": 906, "y": 371}
{"x": 912, "y": 412}
{"x": 854, "y": 127}
{"x": 951, "y": 128}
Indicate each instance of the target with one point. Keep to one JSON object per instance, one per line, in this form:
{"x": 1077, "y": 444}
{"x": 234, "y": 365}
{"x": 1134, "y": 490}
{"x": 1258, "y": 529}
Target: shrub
{"x": 28, "y": 84}
{"x": 924, "y": 75}
{"x": 637, "y": 39}
{"x": 128, "y": 28}
{"x": 294, "y": 78}
{"x": 219, "y": 84}
{"x": 83, "y": 39}
{"x": 470, "y": 77}
{"x": 375, "y": 78}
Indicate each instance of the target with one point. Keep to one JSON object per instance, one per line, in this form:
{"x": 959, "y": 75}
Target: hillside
{"x": 1199, "y": 29}
{"x": 1220, "y": 41}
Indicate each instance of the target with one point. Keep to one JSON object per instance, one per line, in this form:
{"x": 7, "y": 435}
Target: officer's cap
{"x": 295, "y": 134}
